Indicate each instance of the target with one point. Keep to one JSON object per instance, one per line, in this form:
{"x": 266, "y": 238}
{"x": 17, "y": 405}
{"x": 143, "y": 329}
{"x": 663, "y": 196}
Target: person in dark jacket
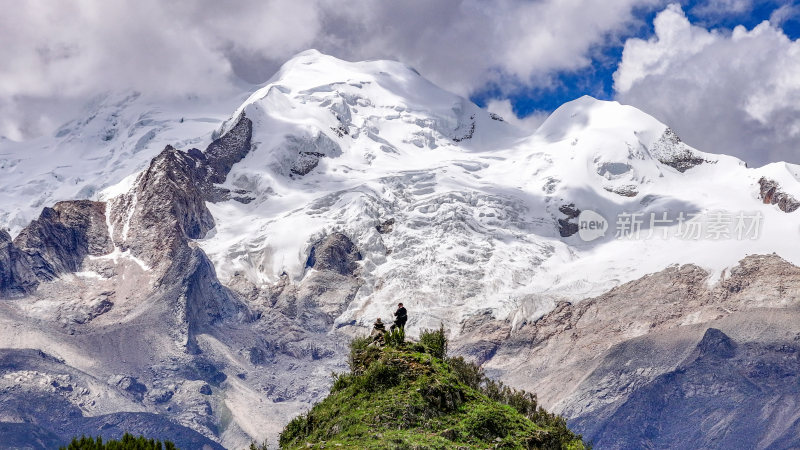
{"x": 400, "y": 318}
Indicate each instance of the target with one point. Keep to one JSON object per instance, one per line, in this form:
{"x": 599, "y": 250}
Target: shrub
{"x": 298, "y": 427}
{"x": 380, "y": 376}
{"x": 435, "y": 341}
{"x": 341, "y": 381}
{"x": 467, "y": 373}
{"x": 487, "y": 422}
{"x": 128, "y": 442}
{"x": 524, "y": 402}
{"x": 361, "y": 354}
{"x": 395, "y": 338}
{"x": 262, "y": 446}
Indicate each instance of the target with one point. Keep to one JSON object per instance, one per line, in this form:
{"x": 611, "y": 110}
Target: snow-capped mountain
{"x": 212, "y": 291}
{"x": 474, "y": 203}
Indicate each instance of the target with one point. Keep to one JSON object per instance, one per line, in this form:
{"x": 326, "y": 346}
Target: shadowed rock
{"x": 334, "y": 252}
{"x": 715, "y": 343}
{"x": 213, "y": 165}
{"x": 566, "y": 228}
{"x": 771, "y": 193}
{"x": 52, "y": 245}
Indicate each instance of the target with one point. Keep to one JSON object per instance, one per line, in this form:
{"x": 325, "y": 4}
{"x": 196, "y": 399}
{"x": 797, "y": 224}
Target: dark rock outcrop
{"x": 715, "y": 343}
{"x": 334, "y": 252}
{"x": 771, "y": 193}
{"x": 213, "y": 165}
{"x": 52, "y": 245}
{"x": 386, "y": 226}
{"x": 309, "y": 151}
{"x": 566, "y": 228}
{"x": 670, "y": 150}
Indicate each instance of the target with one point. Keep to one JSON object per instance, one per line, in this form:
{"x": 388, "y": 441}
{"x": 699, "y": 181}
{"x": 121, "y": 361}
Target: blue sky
{"x": 596, "y": 80}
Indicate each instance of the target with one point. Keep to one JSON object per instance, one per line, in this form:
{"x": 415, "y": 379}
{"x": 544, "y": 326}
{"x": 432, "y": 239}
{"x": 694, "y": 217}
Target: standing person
{"x": 400, "y": 318}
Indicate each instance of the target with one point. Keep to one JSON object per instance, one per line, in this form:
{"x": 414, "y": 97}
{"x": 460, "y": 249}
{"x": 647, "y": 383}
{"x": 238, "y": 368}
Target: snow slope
{"x": 341, "y": 146}
{"x": 475, "y": 202}
{"x": 114, "y": 136}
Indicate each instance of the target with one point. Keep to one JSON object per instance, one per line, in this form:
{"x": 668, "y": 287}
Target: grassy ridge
{"x": 411, "y": 396}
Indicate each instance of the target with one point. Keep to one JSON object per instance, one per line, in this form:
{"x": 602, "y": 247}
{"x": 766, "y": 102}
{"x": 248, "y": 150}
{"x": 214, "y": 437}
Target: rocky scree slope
{"x": 664, "y": 361}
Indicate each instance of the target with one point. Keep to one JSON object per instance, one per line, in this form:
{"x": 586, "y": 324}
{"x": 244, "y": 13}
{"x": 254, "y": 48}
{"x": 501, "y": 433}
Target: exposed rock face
{"x": 646, "y": 351}
{"x": 624, "y": 191}
{"x": 314, "y": 302}
{"x": 481, "y": 336}
{"x": 167, "y": 207}
{"x": 670, "y": 150}
{"x": 162, "y": 211}
{"x": 213, "y": 165}
{"x": 47, "y": 398}
{"x": 147, "y": 305}
{"x": 6, "y": 251}
{"x": 386, "y": 226}
{"x": 723, "y": 395}
{"x": 566, "y": 228}
{"x": 308, "y": 152}
{"x": 334, "y": 252}
{"x": 54, "y": 244}
{"x": 771, "y": 194}
{"x": 716, "y": 344}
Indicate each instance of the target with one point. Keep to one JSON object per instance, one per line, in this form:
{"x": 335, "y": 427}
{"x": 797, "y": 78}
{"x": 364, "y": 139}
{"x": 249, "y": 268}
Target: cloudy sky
{"x": 724, "y": 73}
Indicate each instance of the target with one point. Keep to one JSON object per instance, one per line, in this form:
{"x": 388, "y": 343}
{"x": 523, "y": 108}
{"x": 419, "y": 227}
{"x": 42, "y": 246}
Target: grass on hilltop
{"x": 411, "y": 395}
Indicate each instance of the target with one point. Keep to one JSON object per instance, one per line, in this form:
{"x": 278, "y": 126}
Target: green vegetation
{"x": 128, "y": 442}
{"x": 395, "y": 338}
{"x": 411, "y": 396}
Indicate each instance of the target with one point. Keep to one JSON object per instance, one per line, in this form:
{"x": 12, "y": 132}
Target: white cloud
{"x": 720, "y": 8}
{"x": 783, "y": 14}
{"x": 67, "y": 51}
{"x": 735, "y": 93}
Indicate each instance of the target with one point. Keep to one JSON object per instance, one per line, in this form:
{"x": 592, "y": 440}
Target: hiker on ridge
{"x": 400, "y": 318}
{"x": 378, "y": 330}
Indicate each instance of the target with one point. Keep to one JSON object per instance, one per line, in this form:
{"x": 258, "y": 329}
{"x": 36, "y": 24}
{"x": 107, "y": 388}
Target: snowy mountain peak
{"x": 477, "y": 209}
{"x": 601, "y": 116}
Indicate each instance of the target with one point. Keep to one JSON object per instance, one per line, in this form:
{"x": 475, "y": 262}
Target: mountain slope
{"x": 666, "y": 360}
{"x": 212, "y": 288}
